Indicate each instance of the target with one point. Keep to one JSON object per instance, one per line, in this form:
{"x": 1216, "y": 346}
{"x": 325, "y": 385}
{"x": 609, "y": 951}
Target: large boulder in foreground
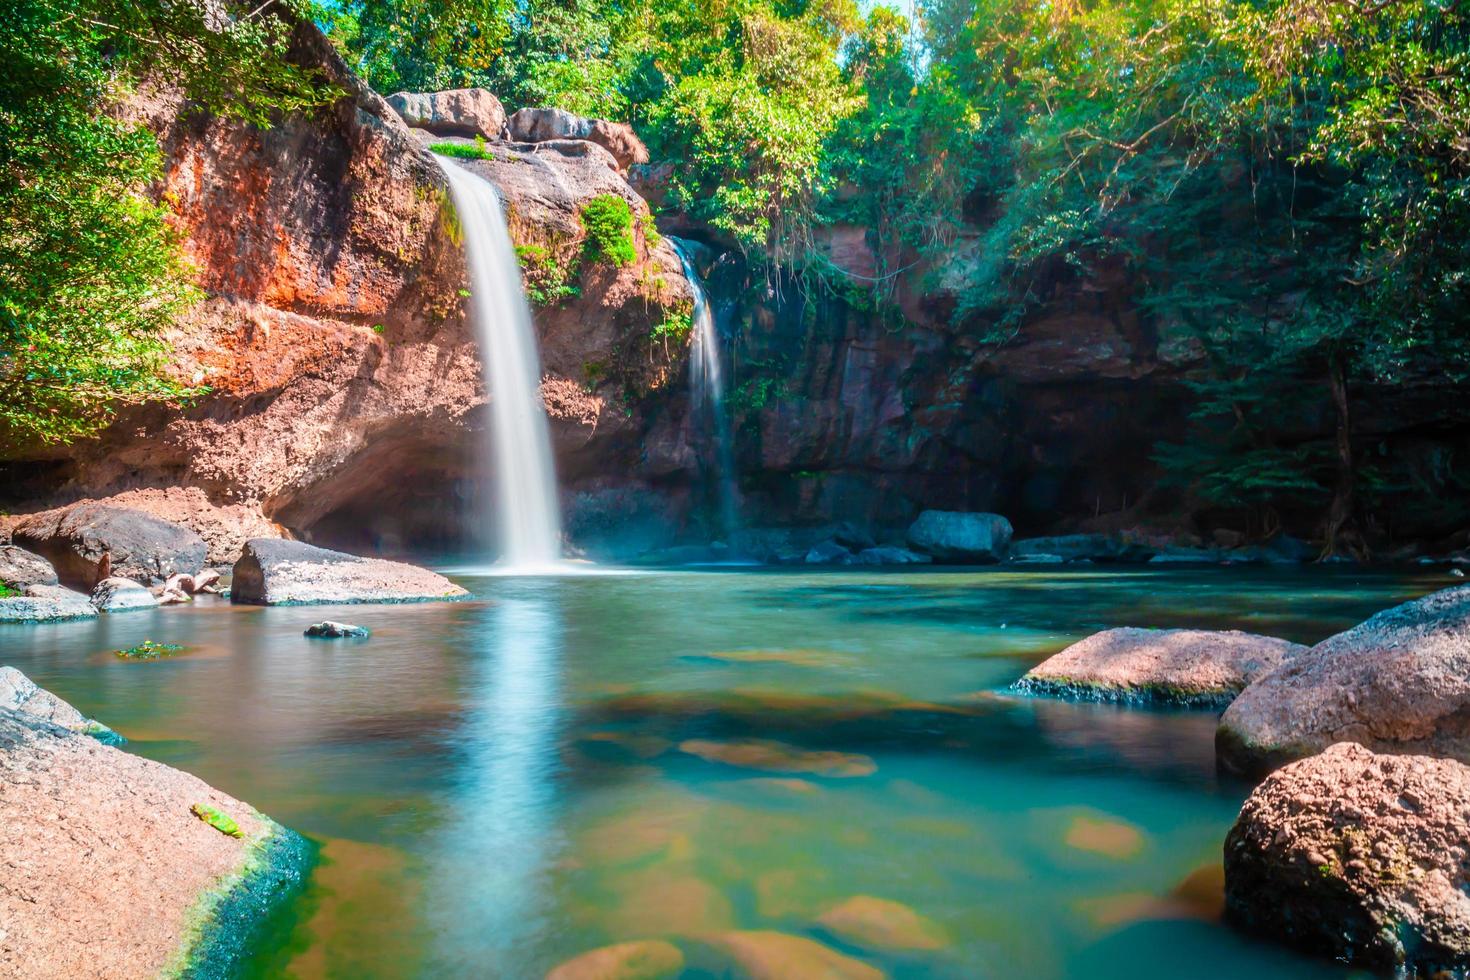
{"x": 109, "y": 874}
{"x": 20, "y": 569}
{"x": 1184, "y": 667}
{"x": 273, "y": 572}
{"x": 960, "y": 536}
{"x": 542, "y": 124}
{"x": 455, "y": 112}
{"x": 89, "y": 541}
{"x": 1360, "y": 857}
{"x": 45, "y": 604}
{"x": 1399, "y": 682}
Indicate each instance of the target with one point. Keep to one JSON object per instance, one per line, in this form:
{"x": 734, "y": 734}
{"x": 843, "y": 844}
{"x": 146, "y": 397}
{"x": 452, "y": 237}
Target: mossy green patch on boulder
{"x": 222, "y": 822}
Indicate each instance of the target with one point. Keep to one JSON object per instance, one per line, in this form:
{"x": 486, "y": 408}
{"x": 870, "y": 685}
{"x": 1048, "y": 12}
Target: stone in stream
{"x": 1361, "y": 857}
{"x": 118, "y": 594}
{"x": 331, "y": 630}
{"x": 1398, "y": 682}
{"x": 829, "y": 553}
{"x": 1083, "y": 547}
{"x": 19, "y": 693}
{"x": 878, "y": 923}
{"x": 769, "y": 955}
{"x": 272, "y": 572}
{"x": 43, "y": 604}
{"x": 1183, "y": 667}
{"x": 772, "y": 756}
{"x": 643, "y": 959}
{"x": 20, "y": 568}
{"x": 88, "y": 542}
{"x": 110, "y": 874}
{"x": 891, "y": 555}
{"x": 960, "y": 536}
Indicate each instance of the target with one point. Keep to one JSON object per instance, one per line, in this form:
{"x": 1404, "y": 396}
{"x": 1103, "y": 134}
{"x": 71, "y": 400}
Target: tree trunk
{"x": 1343, "y": 494}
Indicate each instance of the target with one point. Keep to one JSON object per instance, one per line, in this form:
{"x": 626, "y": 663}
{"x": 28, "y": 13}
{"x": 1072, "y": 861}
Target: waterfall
{"x": 707, "y": 384}
{"x": 527, "y": 513}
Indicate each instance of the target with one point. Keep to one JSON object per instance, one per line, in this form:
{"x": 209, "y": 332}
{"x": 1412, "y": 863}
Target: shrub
{"x": 546, "y": 280}
{"x": 608, "y": 222}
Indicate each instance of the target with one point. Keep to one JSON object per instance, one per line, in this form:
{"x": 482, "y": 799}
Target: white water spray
{"x": 708, "y": 385}
{"x": 526, "y": 509}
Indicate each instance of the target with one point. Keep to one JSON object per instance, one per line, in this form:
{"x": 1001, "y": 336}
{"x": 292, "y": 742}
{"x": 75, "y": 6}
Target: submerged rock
{"x": 19, "y": 568}
{"x": 118, "y": 594}
{"x": 878, "y": 923}
{"x": 89, "y": 542}
{"x": 1186, "y": 667}
{"x": 644, "y": 959}
{"x": 770, "y": 955}
{"x": 828, "y": 553}
{"x": 331, "y": 630}
{"x": 455, "y": 112}
{"x": 1398, "y": 682}
{"x": 274, "y": 572}
{"x": 960, "y": 536}
{"x": 778, "y": 757}
{"x": 19, "y": 693}
{"x": 1361, "y": 857}
{"x": 45, "y": 603}
{"x": 110, "y": 874}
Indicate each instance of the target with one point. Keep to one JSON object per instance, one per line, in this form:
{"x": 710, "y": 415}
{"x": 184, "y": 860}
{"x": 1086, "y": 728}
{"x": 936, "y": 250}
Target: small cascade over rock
{"x": 707, "y": 386}
{"x": 527, "y": 513}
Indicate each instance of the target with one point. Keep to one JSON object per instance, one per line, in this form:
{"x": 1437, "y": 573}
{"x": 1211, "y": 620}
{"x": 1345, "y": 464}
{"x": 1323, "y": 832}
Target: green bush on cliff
{"x": 546, "y": 281}
{"x": 608, "y": 221}
{"x": 462, "y": 151}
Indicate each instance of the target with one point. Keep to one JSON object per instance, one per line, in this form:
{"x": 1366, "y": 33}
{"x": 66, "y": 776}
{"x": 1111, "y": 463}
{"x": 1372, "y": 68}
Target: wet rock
{"x": 117, "y": 594}
{"x": 455, "y": 112}
{"x": 331, "y": 630}
{"x": 19, "y": 693}
{"x": 1398, "y": 682}
{"x": 1036, "y": 559}
{"x": 173, "y": 597}
{"x": 769, "y": 955}
{"x": 960, "y": 536}
{"x": 19, "y": 568}
{"x": 273, "y": 572}
{"x": 45, "y": 603}
{"x": 778, "y": 757}
{"x": 1083, "y": 547}
{"x": 88, "y": 542}
{"x": 828, "y": 553}
{"x": 891, "y": 555}
{"x": 644, "y": 959}
{"x": 877, "y": 923}
{"x": 853, "y": 537}
{"x": 1360, "y": 857}
{"x": 107, "y": 868}
{"x": 1188, "y": 667}
{"x": 1179, "y": 555}
{"x": 537, "y": 125}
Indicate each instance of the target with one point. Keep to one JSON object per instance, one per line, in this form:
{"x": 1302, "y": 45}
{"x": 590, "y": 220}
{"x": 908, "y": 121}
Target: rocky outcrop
{"x": 109, "y": 873}
{"x": 953, "y": 536}
{"x": 456, "y": 112}
{"x": 1399, "y": 682}
{"x": 1360, "y": 857}
{"x": 272, "y": 572}
{"x": 540, "y": 125}
{"x": 1185, "y": 667}
{"x": 88, "y": 542}
{"x": 20, "y": 568}
{"x": 45, "y": 603}
{"x": 20, "y": 694}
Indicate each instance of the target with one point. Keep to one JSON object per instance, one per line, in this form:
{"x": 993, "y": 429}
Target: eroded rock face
{"x": 1361, "y": 857}
{"x": 954, "y": 536}
{"x": 20, "y": 568}
{"x": 1189, "y": 667}
{"x": 456, "y": 112}
{"x": 538, "y": 125}
{"x": 272, "y": 572}
{"x": 1398, "y": 682}
{"x": 87, "y": 542}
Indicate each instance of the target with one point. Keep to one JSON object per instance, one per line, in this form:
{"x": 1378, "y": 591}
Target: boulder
{"x": 19, "y": 693}
{"x": 828, "y": 553}
{"x": 120, "y": 594}
{"x": 88, "y": 542}
{"x": 45, "y": 603}
{"x": 332, "y": 630}
{"x": 1083, "y": 547}
{"x": 1360, "y": 857}
{"x": 540, "y": 124}
{"x": 1185, "y": 667}
{"x": 960, "y": 536}
{"x": 19, "y": 568}
{"x": 274, "y": 572}
{"x": 455, "y": 112}
{"x": 109, "y": 872}
{"x": 1399, "y": 682}
{"x": 205, "y": 581}
{"x": 891, "y": 555}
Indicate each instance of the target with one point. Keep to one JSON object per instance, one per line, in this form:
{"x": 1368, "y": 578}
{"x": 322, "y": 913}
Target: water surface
{"x": 503, "y": 783}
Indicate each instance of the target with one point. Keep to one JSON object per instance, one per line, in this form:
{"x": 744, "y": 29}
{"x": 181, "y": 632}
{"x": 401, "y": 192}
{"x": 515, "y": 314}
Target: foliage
{"x": 546, "y": 280}
{"x": 148, "y": 650}
{"x": 608, "y": 222}
{"x": 90, "y": 270}
{"x": 676, "y": 326}
{"x": 463, "y": 151}
{"x": 6, "y": 592}
{"x": 219, "y": 821}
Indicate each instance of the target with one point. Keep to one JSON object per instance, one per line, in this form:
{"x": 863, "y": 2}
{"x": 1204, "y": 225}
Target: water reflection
{"x": 501, "y": 832}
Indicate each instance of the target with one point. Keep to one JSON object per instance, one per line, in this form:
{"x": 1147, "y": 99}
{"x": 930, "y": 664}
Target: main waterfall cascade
{"x": 527, "y": 512}
{"x": 706, "y": 382}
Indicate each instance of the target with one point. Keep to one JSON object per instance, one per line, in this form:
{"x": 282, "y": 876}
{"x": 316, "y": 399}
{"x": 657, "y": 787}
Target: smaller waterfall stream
{"x": 706, "y": 381}
{"x": 527, "y": 513}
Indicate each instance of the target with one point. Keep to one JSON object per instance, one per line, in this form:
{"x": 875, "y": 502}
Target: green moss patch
{"x": 608, "y": 222}
{"x": 148, "y": 650}
{"x": 6, "y": 592}
{"x": 463, "y": 151}
{"x": 222, "y": 822}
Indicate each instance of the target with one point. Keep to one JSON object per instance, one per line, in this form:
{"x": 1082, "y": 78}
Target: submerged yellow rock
{"x": 643, "y": 959}
{"x": 770, "y": 955}
{"x": 778, "y": 757}
{"x": 1111, "y": 838}
{"x": 878, "y": 923}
